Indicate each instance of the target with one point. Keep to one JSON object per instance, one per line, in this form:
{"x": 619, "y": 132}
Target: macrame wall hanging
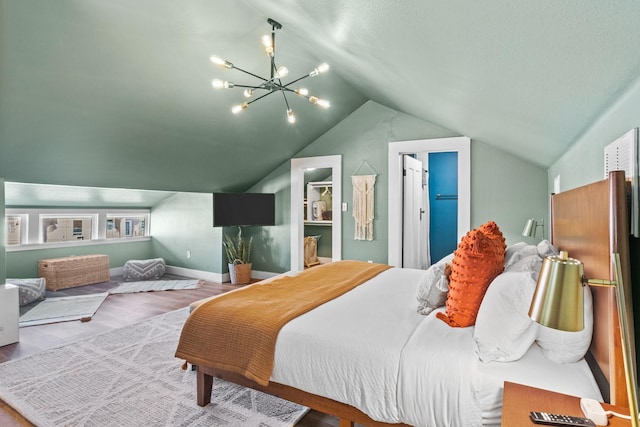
{"x": 363, "y": 202}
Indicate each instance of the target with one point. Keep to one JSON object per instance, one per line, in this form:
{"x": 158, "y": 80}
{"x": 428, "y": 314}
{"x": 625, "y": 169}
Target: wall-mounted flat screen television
{"x": 232, "y": 209}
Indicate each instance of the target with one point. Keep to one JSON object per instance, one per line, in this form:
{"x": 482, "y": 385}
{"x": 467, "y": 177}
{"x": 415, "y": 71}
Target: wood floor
{"x": 117, "y": 311}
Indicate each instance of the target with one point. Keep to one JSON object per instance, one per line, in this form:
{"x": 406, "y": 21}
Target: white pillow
{"x": 545, "y": 249}
{"x": 516, "y": 252}
{"x": 433, "y": 287}
{"x": 531, "y": 263}
{"x": 568, "y": 347}
{"x": 504, "y": 331}
{"x": 523, "y": 257}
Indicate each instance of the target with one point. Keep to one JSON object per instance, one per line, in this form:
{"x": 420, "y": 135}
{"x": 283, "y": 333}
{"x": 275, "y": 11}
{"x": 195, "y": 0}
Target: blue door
{"x": 443, "y": 204}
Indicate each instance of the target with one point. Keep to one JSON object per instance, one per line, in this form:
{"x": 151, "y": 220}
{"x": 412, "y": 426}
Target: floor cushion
{"x": 143, "y": 269}
{"x": 30, "y": 290}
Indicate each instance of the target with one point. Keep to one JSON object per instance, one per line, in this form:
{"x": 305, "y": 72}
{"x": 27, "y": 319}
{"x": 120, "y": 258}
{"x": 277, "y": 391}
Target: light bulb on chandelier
{"x": 319, "y": 102}
{"x": 282, "y": 72}
{"x": 220, "y": 84}
{"x": 274, "y": 82}
{"x": 219, "y": 61}
{"x": 268, "y": 45}
{"x": 322, "y": 68}
{"x": 290, "y": 116}
{"x": 238, "y": 108}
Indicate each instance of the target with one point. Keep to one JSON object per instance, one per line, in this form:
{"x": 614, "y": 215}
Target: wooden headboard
{"x": 590, "y": 223}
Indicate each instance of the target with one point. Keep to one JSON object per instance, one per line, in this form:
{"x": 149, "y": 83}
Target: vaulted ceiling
{"x": 129, "y": 82}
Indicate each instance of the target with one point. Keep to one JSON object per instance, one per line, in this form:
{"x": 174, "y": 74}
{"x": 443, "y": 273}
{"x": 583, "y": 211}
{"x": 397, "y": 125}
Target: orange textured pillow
{"x": 478, "y": 259}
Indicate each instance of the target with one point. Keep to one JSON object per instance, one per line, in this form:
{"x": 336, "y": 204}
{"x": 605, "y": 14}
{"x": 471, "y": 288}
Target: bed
{"x": 369, "y": 357}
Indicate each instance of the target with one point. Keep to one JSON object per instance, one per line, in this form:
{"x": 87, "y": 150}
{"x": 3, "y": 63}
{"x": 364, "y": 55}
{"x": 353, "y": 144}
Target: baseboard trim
{"x": 262, "y": 275}
{"x": 200, "y": 274}
{"x": 116, "y": 271}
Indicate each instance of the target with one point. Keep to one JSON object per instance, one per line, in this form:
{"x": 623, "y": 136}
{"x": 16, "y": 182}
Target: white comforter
{"x": 371, "y": 349}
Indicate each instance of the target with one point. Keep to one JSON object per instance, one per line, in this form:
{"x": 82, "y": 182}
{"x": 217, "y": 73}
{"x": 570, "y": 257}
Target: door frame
{"x": 298, "y": 166}
{"x": 461, "y": 145}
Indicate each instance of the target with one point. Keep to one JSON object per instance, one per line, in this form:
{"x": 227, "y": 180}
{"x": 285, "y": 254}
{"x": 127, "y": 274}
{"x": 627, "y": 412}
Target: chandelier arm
{"x": 285, "y": 98}
{"x": 274, "y": 25}
{"x": 274, "y": 69}
{"x": 250, "y": 73}
{"x": 297, "y": 80}
{"x": 249, "y": 87}
{"x": 293, "y": 91}
{"x": 260, "y": 97}
{"x": 273, "y": 62}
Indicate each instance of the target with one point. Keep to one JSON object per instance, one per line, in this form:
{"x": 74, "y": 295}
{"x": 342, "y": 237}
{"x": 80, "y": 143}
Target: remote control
{"x": 560, "y": 420}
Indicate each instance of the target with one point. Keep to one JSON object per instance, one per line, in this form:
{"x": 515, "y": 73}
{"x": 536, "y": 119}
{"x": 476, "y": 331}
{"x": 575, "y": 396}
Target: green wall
{"x": 182, "y": 223}
{"x": 3, "y": 259}
{"x": 583, "y": 162}
{"x": 25, "y": 263}
{"x": 271, "y": 245}
{"x": 508, "y": 190}
{"x": 504, "y": 188}
{"x": 179, "y": 224}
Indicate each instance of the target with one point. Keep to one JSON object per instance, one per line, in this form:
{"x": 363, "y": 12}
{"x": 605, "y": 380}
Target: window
{"x": 124, "y": 226}
{"x": 33, "y": 228}
{"x": 57, "y": 228}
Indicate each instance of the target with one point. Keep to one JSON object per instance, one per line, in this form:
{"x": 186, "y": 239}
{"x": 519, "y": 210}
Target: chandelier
{"x": 272, "y": 84}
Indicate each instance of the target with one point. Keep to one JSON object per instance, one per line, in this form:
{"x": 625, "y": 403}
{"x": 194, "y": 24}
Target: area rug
{"x": 129, "y": 377}
{"x": 155, "y": 285}
{"x": 63, "y": 309}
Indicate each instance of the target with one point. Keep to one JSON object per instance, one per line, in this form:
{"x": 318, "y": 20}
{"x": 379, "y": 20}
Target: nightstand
{"x": 518, "y": 400}
{"x": 9, "y": 314}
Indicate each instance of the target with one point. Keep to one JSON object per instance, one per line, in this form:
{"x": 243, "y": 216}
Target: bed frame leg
{"x": 204, "y": 385}
{"x": 346, "y": 423}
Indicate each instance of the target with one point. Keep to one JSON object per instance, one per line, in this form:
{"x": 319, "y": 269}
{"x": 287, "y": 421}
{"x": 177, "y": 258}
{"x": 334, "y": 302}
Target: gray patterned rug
{"x": 61, "y": 309}
{"x": 155, "y": 285}
{"x": 129, "y": 377}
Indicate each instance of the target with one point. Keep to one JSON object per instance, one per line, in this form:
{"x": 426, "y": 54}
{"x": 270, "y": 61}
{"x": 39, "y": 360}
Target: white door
{"x": 412, "y": 213}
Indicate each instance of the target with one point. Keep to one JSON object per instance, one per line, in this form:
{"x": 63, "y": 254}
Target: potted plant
{"x": 238, "y": 252}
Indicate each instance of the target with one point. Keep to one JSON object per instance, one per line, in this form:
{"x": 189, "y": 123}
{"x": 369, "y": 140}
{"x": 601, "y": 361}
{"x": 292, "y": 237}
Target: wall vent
{"x": 622, "y": 154}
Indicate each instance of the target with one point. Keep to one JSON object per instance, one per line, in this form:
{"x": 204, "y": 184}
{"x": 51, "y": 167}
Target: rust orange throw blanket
{"x": 237, "y": 331}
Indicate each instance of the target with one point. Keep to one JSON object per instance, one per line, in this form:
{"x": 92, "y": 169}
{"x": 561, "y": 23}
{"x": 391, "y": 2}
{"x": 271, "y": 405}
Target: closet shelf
{"x": 325, "y": 223}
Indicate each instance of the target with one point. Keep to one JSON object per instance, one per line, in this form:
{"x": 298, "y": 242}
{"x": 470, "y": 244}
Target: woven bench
{"x": 72, "y": 271}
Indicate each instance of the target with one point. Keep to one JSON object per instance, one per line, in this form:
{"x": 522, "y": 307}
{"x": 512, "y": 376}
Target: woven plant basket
{"x": 240, "y": 273}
